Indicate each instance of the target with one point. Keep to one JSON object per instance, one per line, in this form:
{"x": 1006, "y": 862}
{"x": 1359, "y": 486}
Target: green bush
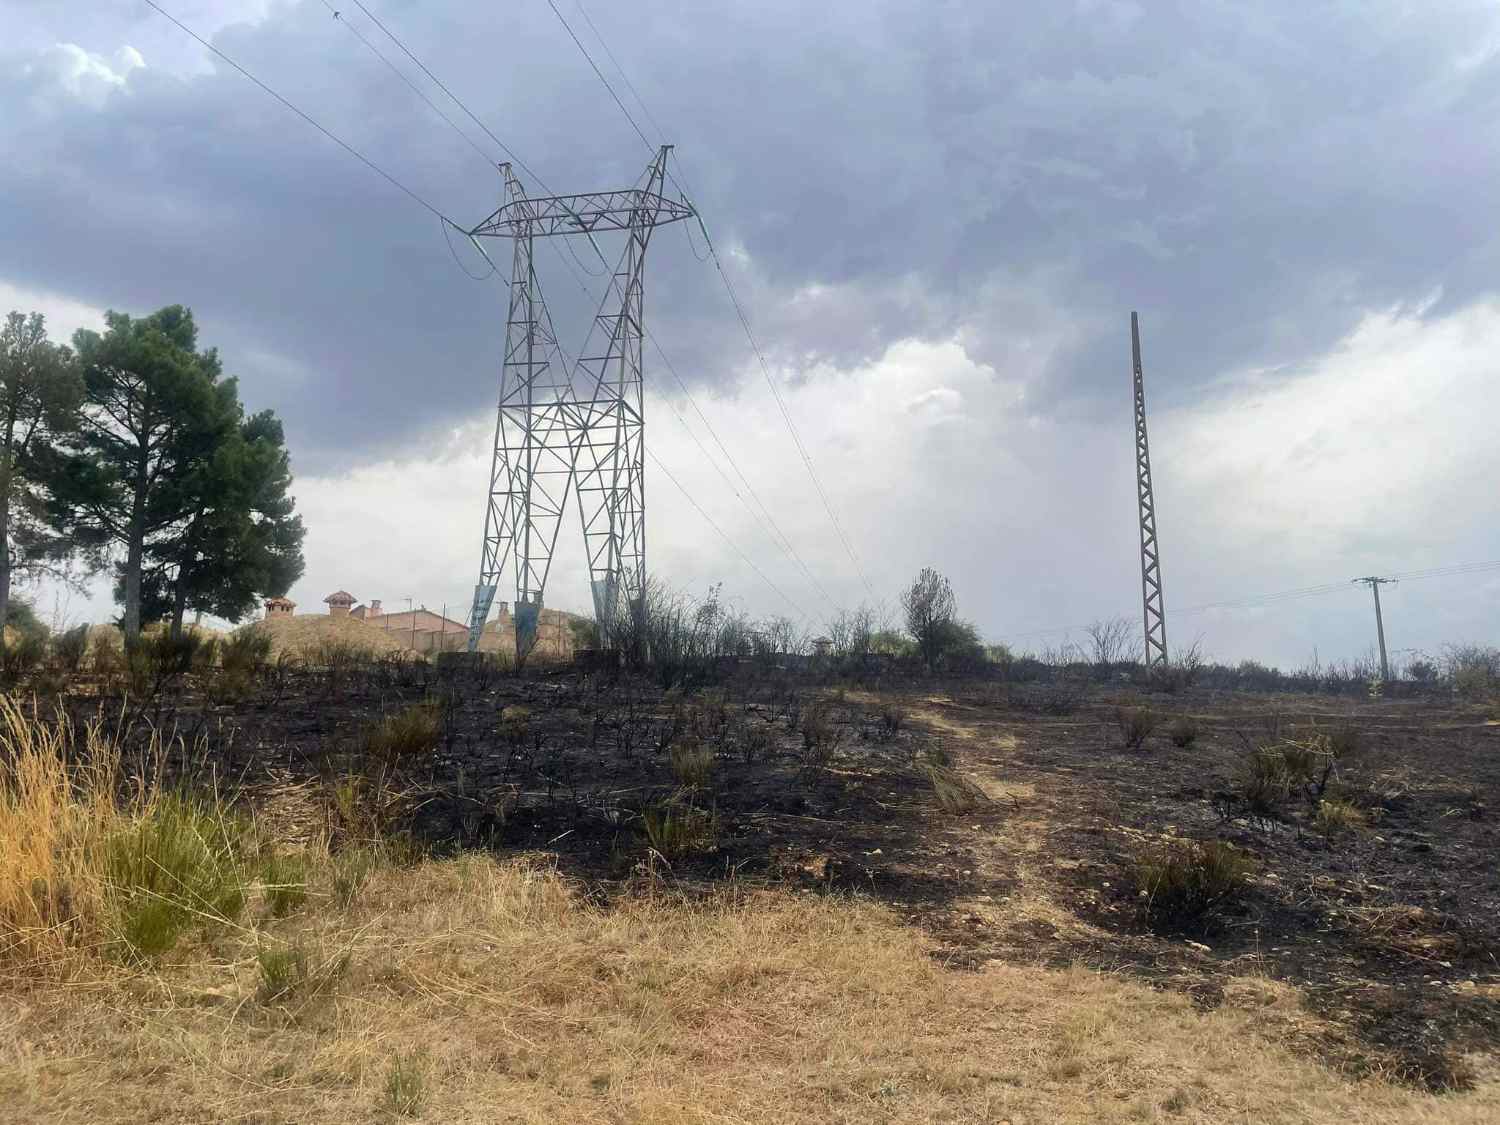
{"x": 177, "y": 864}
{"x": 1184, "y": 883}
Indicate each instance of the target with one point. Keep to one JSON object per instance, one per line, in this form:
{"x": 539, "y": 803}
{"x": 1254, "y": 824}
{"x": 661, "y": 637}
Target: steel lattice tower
{"x": 549, "y": 439}
{"x": 1153, "y": 610}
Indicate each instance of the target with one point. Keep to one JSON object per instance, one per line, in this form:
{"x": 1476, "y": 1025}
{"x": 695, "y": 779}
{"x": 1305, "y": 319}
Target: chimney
{"x": 374, "y": 607}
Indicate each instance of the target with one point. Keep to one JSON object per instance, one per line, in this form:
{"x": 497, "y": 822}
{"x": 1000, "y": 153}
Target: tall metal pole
{"x": 1153, "y": 610}
{"x": 1375, "y": 583}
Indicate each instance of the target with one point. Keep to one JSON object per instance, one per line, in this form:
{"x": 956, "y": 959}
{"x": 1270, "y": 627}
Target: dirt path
{"x": 1069, "y": 807}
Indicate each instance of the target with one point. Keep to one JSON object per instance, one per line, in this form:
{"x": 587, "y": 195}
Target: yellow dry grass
{"x": 513, "y": 998}
{"x": 302, "y": 634}
{"x": 53, "y": 817}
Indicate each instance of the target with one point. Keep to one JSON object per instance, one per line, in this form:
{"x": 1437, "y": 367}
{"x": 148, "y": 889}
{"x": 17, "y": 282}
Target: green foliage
{"x": 284, "y": 882}
{"x": 675, "y": 829}
{"x": 165, "y": 466}
{"x": 1184, "y": 883}
{"x": 406, "y": 1083}
{"x": 585, "y": 631}
{"x": 177, "y": 864}
{"x": 40, "y": 391}
{"x": 299, "y": 972}
{"x": 1135, "y": 725}
{"x": 1474, "y": 670}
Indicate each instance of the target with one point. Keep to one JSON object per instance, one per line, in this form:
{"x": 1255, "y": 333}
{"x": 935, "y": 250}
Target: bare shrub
{"x": 892, "y": 719}
{"x": 820, "y": 735}
{"x": 1183, "y": 732}
{"x": 1302, "y": 766}
{"x": 1110, "y": 643}
{"x": 1135, "y": 725}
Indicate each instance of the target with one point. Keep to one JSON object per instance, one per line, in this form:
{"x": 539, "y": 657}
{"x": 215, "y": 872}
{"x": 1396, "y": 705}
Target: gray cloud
{"x": 1252, "y": 178}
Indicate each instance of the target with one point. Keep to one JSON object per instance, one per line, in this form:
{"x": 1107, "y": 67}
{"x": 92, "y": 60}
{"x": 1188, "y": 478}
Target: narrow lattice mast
{"x": 1151, "y": 597}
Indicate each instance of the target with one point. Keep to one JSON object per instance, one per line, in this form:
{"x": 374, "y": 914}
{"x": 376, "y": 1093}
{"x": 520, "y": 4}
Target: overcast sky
{"x": 938, "y": 215}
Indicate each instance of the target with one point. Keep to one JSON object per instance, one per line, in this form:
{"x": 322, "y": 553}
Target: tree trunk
{"x": 4, "y": 554}
{"x": 179, "y": 603}
{"x": 134, "y": 550}
{"x": 6, "y": 476}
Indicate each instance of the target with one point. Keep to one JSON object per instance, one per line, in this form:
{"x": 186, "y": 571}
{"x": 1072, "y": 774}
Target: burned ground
{"x": 1004, "y": 820}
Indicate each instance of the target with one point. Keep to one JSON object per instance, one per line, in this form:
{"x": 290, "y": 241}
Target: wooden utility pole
{"x": 1375, "y": 583}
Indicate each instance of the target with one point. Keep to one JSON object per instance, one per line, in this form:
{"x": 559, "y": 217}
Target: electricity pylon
{"x": 1153, "y": 610}
{"x": 549, "y": 440}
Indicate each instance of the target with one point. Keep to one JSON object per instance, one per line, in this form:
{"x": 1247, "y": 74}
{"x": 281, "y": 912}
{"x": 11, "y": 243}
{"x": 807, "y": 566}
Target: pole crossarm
{"x": 583, "y": 214}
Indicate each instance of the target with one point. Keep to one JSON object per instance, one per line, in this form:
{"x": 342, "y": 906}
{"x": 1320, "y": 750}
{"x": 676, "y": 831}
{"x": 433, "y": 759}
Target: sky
{"x": 938, "y": 218}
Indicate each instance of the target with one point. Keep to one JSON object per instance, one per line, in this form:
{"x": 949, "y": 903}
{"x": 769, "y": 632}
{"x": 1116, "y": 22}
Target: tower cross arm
{"x": 583, "y": 214}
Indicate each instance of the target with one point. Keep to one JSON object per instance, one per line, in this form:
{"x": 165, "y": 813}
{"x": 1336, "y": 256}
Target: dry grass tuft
{"x": 955, "y": 793}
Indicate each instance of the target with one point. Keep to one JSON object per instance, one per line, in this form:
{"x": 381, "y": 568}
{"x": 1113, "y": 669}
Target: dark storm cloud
{"x": 1252, "y": 177}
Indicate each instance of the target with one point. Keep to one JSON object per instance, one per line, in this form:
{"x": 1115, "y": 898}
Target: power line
{"x": 401, "y": 74}
{"x": 343, "y": 144}
{"x": 1295, "y": 594}
{"x": 733, "y": 546}
{"x": 579, "y": 44}
{"x": 728, "y": 286}
{"x": 456, "y": 99}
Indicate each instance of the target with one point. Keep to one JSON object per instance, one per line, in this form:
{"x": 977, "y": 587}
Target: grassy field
{"x": 888, "y": 905}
